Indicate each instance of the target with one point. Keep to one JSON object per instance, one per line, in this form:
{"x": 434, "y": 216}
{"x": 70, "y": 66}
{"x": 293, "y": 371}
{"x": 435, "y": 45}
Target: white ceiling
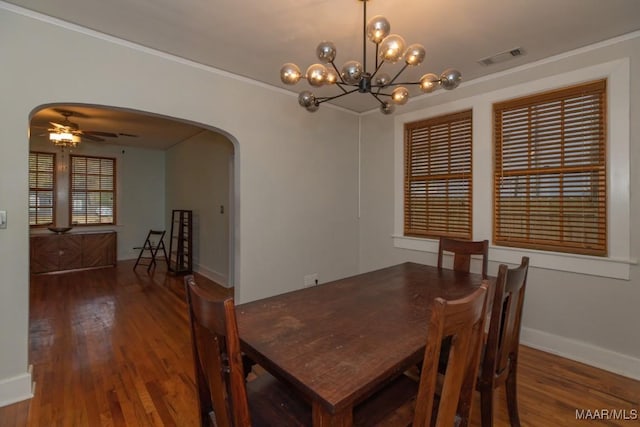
{"x": 254, "y": 38}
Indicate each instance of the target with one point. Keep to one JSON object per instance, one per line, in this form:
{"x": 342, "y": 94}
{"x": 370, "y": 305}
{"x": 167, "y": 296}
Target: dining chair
{"x": 441, "y": 400}
{"x": 225, "y": 399}
{"x": 462, "y": 252}
{"x": 500, "y": 361}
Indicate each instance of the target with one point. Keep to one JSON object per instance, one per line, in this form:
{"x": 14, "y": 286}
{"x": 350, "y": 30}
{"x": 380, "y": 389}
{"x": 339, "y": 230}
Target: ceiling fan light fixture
{"x": 354, "y": 76}
{"x": 64, "y": 139}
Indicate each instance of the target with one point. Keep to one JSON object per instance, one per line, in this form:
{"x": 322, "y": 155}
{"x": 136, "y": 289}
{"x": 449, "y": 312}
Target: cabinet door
{"x": 44, "y": 254}
{"x": 98, "y": 249}
{"x": 70, "y": 252}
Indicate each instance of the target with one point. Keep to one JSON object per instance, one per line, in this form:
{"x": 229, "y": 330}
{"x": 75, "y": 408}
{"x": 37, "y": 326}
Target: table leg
{"x": 322, "y": 418}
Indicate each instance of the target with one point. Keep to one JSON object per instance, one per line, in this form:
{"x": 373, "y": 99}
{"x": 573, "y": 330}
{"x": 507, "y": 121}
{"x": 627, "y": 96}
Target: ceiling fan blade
{"x": 128, "y": 134}
{"x": 58, "y": 125}
{"x": 69, "y": 113}
{"x": 98, "y": 133}
{"x": 91, "y": 137}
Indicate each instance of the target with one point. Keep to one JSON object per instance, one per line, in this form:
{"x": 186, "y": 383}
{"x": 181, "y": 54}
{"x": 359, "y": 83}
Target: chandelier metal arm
{"x": 376, "y": 96}
{"x": 321, "y": 99}
{"x": 398, "y": 75}
{"x": 378, "y": 66}
{"x": 410, "y": 83}
{"x": 342, "y": 82}
{"x": 341, "y": 86}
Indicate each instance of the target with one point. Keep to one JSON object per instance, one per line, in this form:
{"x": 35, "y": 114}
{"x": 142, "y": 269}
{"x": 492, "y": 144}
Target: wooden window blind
{"x": 438, "y": 178}
{"x": 42, "y": 180}
{"x": 93, "y": 190}
{"x": 550, "y": 174}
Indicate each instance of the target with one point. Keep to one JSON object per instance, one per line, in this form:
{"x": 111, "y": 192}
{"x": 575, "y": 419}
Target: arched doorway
{"x": 161, "y": 163}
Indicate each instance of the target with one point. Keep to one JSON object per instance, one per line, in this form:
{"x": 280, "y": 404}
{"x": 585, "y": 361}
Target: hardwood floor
{"x": 111, "y": 347}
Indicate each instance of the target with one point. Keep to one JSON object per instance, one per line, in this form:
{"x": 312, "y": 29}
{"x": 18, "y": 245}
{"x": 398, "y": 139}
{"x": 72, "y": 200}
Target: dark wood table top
{"x": 340, "y": 341}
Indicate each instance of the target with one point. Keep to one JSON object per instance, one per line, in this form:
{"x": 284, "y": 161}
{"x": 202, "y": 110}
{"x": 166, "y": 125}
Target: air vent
{"x": 502, "y": 56}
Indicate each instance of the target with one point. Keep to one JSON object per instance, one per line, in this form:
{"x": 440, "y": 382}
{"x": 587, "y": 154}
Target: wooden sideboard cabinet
{"x": 72, "y": 251}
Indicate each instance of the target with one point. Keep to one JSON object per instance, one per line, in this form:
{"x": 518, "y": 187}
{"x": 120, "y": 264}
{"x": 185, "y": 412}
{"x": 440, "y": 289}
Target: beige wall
{"x": 198, "y": 179}
{"x": 586, "y": 317}
{"x": 292, "y": 168}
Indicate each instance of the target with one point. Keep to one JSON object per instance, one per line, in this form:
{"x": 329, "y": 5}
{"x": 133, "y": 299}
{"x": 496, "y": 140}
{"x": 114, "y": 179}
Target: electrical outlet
{"x": 310, "y": 280}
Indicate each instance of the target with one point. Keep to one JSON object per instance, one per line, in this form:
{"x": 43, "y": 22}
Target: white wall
{"x": 140, "y": 193}
{"x": 198, "y": 179}
{"x": 295, "y": 177}
{"x": 141, "y": 197}
{"x": 585, "y": 317}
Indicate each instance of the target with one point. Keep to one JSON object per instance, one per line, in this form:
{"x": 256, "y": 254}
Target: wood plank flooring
{"x": 111, "y": 347}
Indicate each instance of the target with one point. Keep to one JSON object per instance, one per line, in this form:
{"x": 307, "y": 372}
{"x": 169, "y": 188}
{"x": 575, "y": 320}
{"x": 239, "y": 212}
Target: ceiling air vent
{"x": 502, "y": 56}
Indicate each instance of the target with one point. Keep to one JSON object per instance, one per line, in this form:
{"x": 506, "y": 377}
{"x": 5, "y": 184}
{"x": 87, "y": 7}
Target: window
{"x": 437, "y": 187}
{"x": 93, "y": 190}
{"x": 42, "y": 180}
{"x": 549, "y": 175}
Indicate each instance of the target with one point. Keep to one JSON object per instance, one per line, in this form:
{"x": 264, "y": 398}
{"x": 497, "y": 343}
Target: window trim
{"x": 114, "y": 190}
{"x": 617, "y": 263}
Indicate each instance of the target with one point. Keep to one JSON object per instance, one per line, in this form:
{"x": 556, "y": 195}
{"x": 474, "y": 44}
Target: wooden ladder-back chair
{"x": 463, "y": 321}
{"x": 224, "y": 398}
{"x": 442, "y": 399}
{"x": 500, "y": 362}
{"x": 462, "y": 252}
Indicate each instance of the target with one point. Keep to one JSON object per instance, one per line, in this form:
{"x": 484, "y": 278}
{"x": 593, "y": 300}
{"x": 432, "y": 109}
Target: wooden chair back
{"x": 463, "y": 321}
{"x": 503, "y": 339}
{"x": 217, "y": 359}
{"x": 462, "y": 252}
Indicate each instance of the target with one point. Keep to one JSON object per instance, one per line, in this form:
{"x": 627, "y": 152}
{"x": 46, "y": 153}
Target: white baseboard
{"x": 16, "y": 389}
{"x": 583, "y": 352}
{"x": 217, "y": 277}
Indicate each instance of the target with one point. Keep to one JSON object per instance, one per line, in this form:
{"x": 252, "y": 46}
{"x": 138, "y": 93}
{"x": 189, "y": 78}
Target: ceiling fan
{"x": 67, "y": 126}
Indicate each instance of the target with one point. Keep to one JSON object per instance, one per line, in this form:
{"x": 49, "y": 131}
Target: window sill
{"x": 583, "y": 264}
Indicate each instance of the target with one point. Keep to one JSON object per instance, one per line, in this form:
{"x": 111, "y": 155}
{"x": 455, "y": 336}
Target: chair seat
{"x": 273, "y": 403}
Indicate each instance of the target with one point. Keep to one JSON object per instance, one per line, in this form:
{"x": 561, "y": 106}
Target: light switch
{"x": 3, "y": 219}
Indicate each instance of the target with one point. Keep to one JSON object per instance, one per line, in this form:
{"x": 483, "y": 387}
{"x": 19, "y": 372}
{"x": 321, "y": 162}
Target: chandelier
{"x": 354, "y": 76}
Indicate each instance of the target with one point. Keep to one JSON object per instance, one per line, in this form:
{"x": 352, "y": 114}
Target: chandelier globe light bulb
{"x": 429, "y": 82}
{"x": 414, "y": 55}
{"x": 378, "y": 28}
{"x": 316, "y": 74}
{"x": 326, "y": 52}
{"x": 392, "y": 48}
{"x": 290, "y": 73}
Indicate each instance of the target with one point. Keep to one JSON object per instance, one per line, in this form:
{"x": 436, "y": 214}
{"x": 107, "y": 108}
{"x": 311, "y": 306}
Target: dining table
{"x": 339, "y": 342}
